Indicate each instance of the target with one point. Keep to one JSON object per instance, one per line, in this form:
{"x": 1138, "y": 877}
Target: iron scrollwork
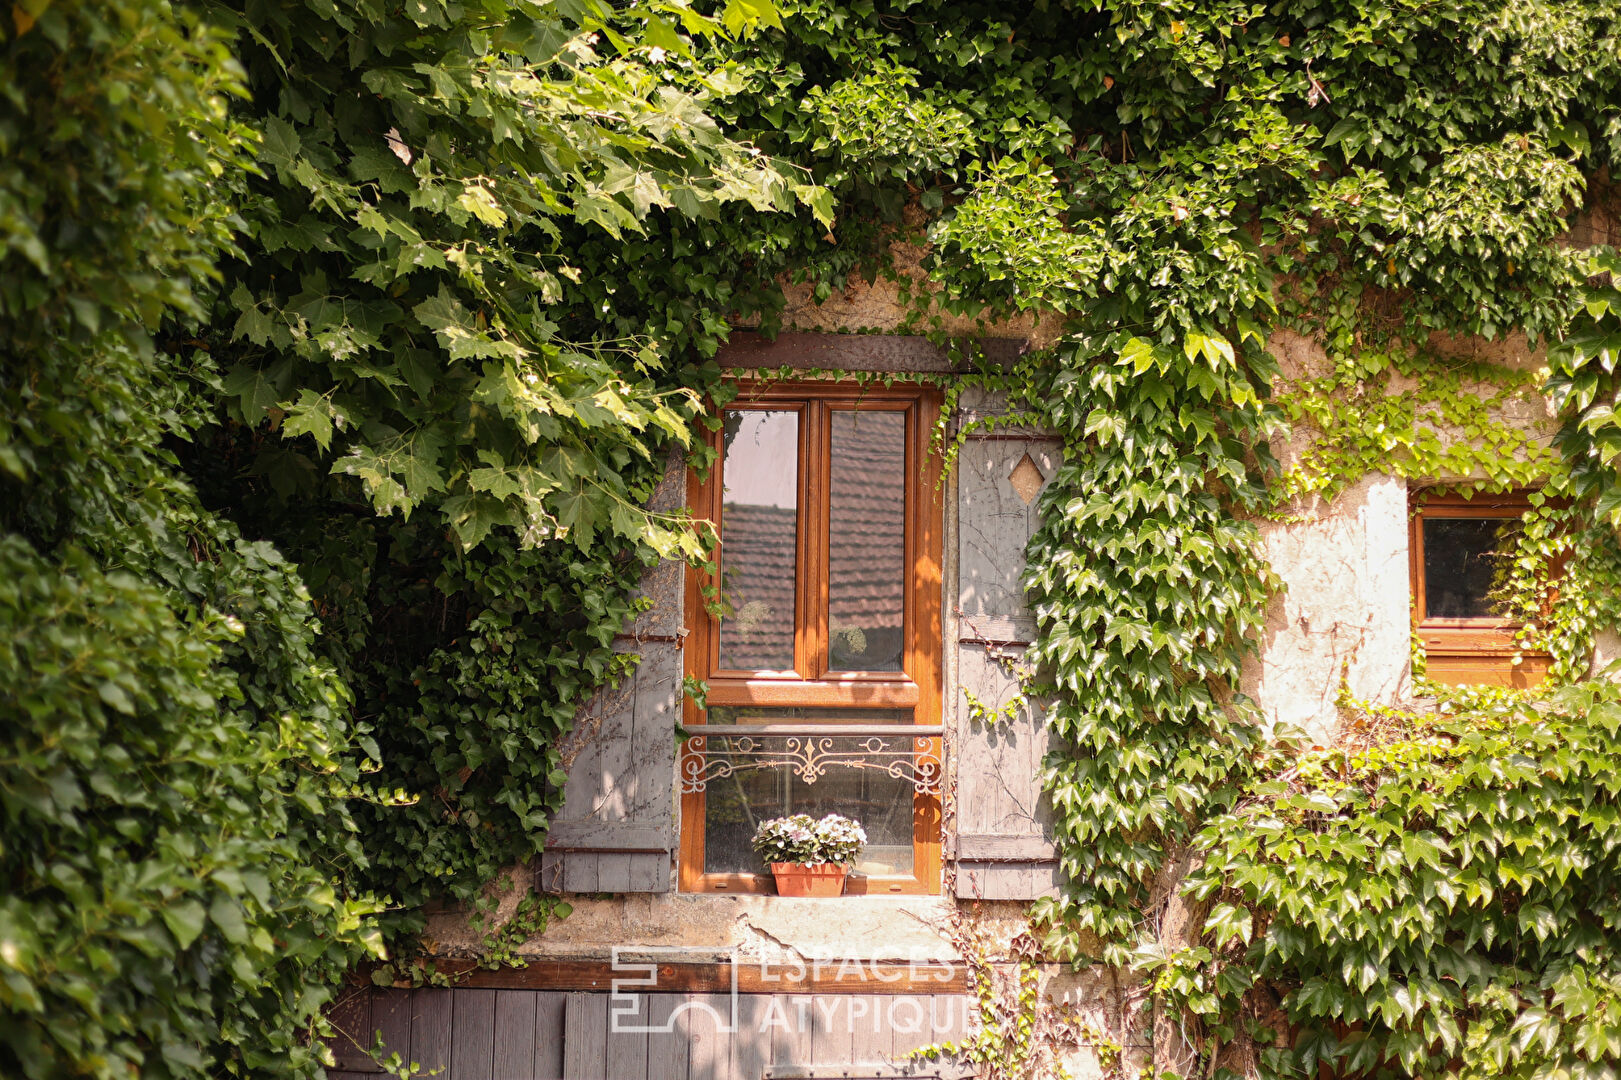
{"x": 910, "y": 759}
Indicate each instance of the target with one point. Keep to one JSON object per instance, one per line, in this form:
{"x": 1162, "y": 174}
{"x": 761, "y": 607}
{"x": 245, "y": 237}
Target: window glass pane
{"x": 866, "y": 541}
{"x": 1461, "y": 558}
{"x": 759, "y": 521}
{"x": 753, "y": 714}
{"x": 750, "y": 779}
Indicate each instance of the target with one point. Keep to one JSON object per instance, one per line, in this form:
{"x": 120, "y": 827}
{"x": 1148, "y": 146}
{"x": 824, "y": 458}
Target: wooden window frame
{"x": 917, "y": 686}
{"x": 1468, "y": 651}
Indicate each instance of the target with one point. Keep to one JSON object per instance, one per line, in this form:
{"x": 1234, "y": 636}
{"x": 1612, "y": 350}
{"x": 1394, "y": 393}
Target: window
{"x": 1458, "y": 546}
{"x": 819, "y": 637}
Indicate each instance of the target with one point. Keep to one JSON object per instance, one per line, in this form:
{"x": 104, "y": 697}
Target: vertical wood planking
{"x": 650, "y": 872}
{"x": 708, "y": 1041}
{"x": 613, "y": 872}
{"x": 552, "y": 868}
{"x": 982, "y": 802}
{"x": 580, "y": 872}
{"x": 352, "y": 1029}
{"x": 789, "y": 1017}
{"x": 621, "y": 777}
{"x": 832, "y": 1036}
{"x": 658, "y": 707}
{"x": 872, "y": 1042}
{"x": 514, "y": 1056}
{"x": 667, "y": 1056}
{"x": 995, "y": 523}
{"x": 997, "y": 766}
{"x": 623, "y": 758}
{"x": 949, "y": 1017}
{"x": 431, "y": 1029}
{"x": 585, "y": 1037}
{"x": 582, "y": 790}
{"x": 751, "y": 1043}
{"x": 627, "y": 1039}
{"x": 908, "y": 1018}
{"x": 615, "y": 780}
{"x": 472, "y": 1035}
{"x": 549, "y": 1009}
{"x": 391, "y": 1014}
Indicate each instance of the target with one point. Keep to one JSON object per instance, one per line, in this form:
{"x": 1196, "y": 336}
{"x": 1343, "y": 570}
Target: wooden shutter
{"x": 616, "y": 832}
{"x": 1002, "y": 844}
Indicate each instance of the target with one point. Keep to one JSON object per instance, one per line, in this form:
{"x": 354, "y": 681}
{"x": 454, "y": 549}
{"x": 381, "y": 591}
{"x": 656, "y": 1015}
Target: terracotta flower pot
{"x": 812, "y": 879}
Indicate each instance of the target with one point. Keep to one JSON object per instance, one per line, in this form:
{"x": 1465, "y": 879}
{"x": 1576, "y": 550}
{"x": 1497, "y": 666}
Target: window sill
{"x": 764, "y": 886}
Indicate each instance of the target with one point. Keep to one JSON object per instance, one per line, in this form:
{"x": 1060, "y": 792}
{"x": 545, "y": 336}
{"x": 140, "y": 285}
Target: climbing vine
{"x": 1019, "y": 1032}
{"x": 1413, "y": 414}
{"x": 391, "y": 317}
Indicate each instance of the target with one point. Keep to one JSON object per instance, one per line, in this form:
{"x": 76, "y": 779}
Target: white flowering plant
{"x": 803, "y": 839}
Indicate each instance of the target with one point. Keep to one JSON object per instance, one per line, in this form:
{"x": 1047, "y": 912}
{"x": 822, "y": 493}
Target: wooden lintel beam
{"x": 749, "y": 349}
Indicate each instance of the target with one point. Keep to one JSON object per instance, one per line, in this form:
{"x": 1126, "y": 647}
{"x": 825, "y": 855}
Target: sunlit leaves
{"x": 423, "y": 224}
{"x": 1439, "y": 893}
{"x": 1145, "y": 589}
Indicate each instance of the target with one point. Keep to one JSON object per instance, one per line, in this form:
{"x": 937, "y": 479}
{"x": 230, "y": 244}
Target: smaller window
{"x": 1459, "y": 547}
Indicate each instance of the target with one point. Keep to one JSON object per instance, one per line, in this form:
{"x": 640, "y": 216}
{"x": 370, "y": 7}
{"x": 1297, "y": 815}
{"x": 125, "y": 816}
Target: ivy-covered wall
{"x": 343, "y": 342}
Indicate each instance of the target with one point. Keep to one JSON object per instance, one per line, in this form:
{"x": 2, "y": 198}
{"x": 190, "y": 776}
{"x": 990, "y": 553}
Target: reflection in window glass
{"x": 735, "y": 805}
{"x": 867, "y": 541}
{"x": 759, "y": 529}
{"x": 1461, "y": 557}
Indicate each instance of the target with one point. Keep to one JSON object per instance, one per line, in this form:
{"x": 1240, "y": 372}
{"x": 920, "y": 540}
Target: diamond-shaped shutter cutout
{"x": 1026, "y": 479}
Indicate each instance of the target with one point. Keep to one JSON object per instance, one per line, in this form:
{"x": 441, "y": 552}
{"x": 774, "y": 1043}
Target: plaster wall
{"x": 1343, "y": 611}
{"x": 770, "y": 929}
{"x": 877, "y": 307}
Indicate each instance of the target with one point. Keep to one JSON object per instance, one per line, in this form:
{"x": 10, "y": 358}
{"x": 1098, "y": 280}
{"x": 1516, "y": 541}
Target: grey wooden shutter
{"x": 616, "y": 831}
{"x": 1002, "y": 847}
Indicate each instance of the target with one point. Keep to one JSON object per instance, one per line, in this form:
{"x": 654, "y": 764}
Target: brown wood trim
{"x": 1490, "y": 670}
{"x": 697, "y": 662}
{"x": 854, "y": 885}
{"x": 1456, "y": 504}
{"x": 885, "y": 976}
{"x": 918, "y": 688}
{"x": 812, "y": 585}
{"x": 1467, "y": 651}
{"x": 822, "y": 727}
{"x": 925, "y": 630}
{"x": 787, "y": 693}
{"x": 706, "y": 498}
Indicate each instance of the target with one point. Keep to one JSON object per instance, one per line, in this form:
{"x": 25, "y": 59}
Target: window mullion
{"x": 812, "y": 585}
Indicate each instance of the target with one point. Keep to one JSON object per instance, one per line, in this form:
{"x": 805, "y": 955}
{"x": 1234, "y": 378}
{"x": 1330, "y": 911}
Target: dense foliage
{"x": 1440, "y": 900}
{"x": 390, "y": 315}
{"x": 241, "y": 250}
{"x": 172, "y": 813}
{"x": 415, "y": 411}
{"x": 1184, "y": 183}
